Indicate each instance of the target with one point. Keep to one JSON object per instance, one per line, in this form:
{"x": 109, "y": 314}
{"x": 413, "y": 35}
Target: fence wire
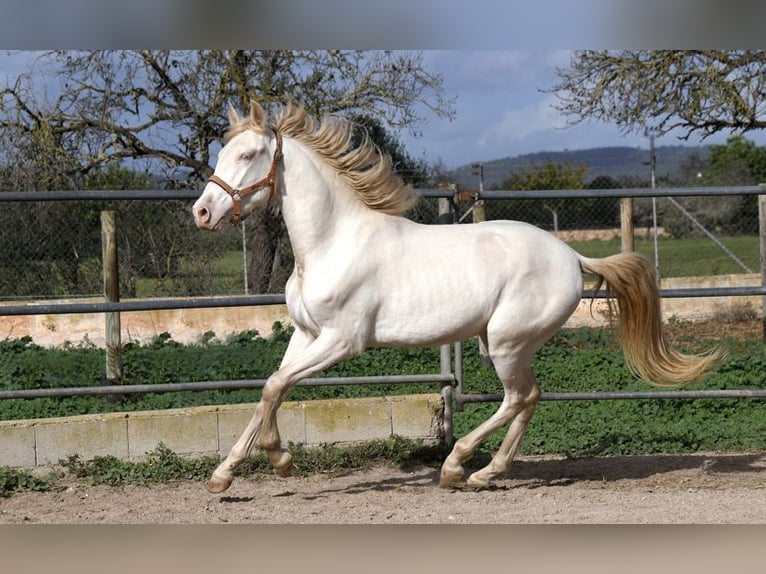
{"x": 52, "y": 249}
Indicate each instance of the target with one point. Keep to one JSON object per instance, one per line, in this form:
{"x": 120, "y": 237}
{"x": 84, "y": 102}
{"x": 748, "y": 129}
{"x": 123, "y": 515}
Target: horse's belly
{"x": 425, "y": 329}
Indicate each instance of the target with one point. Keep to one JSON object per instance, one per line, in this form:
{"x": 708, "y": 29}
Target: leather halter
{"x": 269, "y": 181}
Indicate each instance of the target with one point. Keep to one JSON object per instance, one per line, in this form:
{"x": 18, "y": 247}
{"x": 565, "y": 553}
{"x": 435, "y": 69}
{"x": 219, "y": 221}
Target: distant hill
{"x": 615, "y": 162}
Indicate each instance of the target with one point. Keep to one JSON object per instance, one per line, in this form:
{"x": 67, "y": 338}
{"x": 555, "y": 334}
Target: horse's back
{"x": 514, "y": 248}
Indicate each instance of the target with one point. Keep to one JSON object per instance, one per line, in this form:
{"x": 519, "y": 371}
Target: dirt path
{"x": 699, "y": 488}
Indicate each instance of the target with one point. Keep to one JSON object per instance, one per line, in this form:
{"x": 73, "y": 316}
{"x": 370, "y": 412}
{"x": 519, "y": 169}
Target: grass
{"x": 163, "y": 465}
{"x": 16, "y": 480}
{"x": 227, "y": 273}
{"x": 677, "y": 258}
{"x": 686, "y": 257}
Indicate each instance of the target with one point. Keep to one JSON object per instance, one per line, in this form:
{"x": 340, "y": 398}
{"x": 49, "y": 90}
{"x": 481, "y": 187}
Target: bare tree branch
{"x": 167, "y": 108}
{"x": 169, "y": 105}
{"x": 696, "y": 92}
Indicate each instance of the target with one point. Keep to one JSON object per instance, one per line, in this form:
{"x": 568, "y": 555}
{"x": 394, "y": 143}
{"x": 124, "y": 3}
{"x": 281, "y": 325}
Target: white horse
{"x": 366, "y": 277}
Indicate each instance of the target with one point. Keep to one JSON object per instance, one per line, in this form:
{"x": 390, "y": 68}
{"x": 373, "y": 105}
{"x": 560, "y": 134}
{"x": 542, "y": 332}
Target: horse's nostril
{"x": 203, "y": 214}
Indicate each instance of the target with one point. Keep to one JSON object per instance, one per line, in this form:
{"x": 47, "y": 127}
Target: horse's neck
{"x": 314, "y": 204}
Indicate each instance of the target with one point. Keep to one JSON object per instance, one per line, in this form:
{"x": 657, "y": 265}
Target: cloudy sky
{"x": 501, "y": 110}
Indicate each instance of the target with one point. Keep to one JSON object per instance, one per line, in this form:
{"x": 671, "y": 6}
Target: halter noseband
{"x": 269, "y": 181}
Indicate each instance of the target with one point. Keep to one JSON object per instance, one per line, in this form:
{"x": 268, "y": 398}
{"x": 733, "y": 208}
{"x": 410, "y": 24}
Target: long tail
{"x": 631, "y": 278}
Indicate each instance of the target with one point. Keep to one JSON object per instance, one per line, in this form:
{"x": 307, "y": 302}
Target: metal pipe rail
{"x": 429, "y": 193}
{"x": 442, "y": 378}
{"x": 101, "y": 195}
{"x": 279, "y": 299}
{"x": 447, "y": 380}
{"x": 142, "y": 305}
{"x": 590, "y": 193}
{"x": 635, "y": 395}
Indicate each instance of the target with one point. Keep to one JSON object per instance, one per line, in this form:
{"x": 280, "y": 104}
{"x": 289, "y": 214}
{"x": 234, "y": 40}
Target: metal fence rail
{"x": 635, "y": 192}
{"x": 636, "y": 395}
{"x": 450, "y": 375}
{"x": 444, "y": 378}
{"x": 142, "y": 305}
{"x": 279, "y": 299}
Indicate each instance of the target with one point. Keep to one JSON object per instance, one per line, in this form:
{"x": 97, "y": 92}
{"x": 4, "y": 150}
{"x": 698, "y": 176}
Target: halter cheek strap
{"x": 269, "y": 181}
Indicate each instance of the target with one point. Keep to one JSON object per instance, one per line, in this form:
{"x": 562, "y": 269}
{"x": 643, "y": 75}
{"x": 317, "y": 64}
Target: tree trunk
{"x": 263, "y": 247}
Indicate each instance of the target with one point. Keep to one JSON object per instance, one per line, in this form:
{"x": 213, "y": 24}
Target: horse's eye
{"x": 246, "y": 156}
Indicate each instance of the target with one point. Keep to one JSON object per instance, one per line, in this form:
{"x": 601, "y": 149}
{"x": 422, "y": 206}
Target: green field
{"x": 686, "y": 257}
{"x": 677, "y": 258}
{"x": 228, "y": 279}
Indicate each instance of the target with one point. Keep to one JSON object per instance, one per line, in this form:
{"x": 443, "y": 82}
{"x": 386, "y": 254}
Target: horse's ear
{"x": 257, "y": 114}
{"x": 233, "y": 115}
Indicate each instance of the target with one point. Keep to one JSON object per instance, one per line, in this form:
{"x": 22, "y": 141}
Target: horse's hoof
{"x": 217, "y": 484}
{"x": 451, "y": 478}
{"x": 284, "y": 466}
{"x": 477, "y": 482}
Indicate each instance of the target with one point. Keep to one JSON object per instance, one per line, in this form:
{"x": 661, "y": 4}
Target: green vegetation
{"x": 685, "y": 257}
{"x": 583, "y": 359}
{"x": 225, "y": 278}
{"x": 162, "y": 464}
{"x": 13, "y": 480}
{"x": 692, "y": 257}
{"x": 590, "y": 360}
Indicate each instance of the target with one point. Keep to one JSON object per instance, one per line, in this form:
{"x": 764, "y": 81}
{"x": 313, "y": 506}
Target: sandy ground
{"x": 689, "y": 489}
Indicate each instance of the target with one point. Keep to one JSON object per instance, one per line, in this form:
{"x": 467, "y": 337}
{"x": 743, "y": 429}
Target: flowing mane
{"x": 367, "y": 170}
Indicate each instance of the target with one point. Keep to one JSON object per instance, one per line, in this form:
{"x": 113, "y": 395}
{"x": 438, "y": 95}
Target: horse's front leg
{"x": 303, "y": 359}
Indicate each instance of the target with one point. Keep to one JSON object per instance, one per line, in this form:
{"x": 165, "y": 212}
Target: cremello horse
{"x": 365, "y": 277}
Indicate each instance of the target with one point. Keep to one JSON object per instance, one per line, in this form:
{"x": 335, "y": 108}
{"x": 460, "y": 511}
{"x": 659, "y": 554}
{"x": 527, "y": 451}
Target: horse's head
{"x": 245, "y": 176}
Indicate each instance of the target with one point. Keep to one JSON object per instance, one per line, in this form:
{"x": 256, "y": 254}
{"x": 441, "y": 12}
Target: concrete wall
{"x": 214, "y": 429}
{"x": 689, "y": 309}
{"x": 188, "y": 325}
{"x": 184, "y": 325}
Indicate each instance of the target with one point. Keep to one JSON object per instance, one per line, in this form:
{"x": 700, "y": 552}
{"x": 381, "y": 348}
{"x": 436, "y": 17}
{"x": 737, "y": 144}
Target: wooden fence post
{"x": 444, "y": 215}
{"x": 111, "y": 294}
{"x": 626, "y": 224}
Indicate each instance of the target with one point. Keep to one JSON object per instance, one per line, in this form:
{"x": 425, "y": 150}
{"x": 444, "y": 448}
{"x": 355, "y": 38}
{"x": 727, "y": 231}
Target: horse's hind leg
{"x": 501, "y": 462}
{"x": 521, "y": 395}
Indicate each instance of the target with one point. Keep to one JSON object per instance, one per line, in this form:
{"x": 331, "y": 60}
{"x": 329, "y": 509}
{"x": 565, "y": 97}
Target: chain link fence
{"x": 52, "y": 249}
{"x": 685, "y": 236}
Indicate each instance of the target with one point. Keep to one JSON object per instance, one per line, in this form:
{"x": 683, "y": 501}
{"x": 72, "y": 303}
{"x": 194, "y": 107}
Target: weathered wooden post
{"x": 626, "y": 224}
{"x": 111, "y": 294}
{"x": 444, "y": 215}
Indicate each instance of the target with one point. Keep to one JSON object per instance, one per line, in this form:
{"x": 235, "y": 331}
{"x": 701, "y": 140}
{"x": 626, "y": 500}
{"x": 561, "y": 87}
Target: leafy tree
{"x": 549, "y": 175}
{"x": 604, "y": 182}
{"x": 157, "y": 241}
{"x": 691, "y": 170}
{"x": 32, "y": 264}
{"x": 699, "y": 92}
{"x": 165, "y": 110}
{"x": 737, "y": 162}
